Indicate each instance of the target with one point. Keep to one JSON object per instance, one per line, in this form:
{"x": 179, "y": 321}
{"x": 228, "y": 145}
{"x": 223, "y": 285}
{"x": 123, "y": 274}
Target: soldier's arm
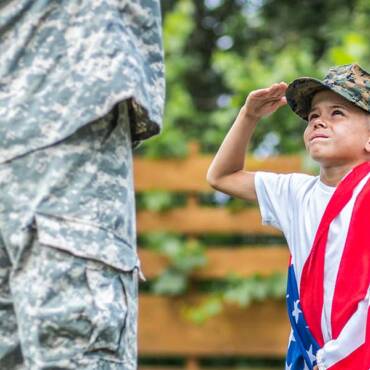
{"x": 226, "y": 172}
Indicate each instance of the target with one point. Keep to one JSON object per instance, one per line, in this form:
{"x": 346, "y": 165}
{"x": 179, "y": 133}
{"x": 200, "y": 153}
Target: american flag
{"x": 349, "y": 344}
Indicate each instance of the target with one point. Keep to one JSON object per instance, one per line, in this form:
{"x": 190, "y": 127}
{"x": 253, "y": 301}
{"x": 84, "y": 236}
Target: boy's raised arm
{"x": 226, "y": 172}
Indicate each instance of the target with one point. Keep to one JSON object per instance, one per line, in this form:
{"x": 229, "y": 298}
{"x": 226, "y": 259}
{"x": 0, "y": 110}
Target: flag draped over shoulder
{"x": 305, "y": 306}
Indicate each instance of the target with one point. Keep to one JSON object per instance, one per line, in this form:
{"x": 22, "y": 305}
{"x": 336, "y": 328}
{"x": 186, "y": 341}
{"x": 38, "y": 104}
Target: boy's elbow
{"x": 213, "y": 180}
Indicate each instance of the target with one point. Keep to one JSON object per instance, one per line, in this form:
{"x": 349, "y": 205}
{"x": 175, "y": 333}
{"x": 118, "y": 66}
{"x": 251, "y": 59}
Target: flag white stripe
{"x": 352, "y": 336}
{"x": 347, "y": 343}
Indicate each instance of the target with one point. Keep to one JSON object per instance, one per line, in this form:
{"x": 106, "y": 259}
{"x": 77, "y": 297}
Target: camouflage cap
{"x": 350, "y": 81}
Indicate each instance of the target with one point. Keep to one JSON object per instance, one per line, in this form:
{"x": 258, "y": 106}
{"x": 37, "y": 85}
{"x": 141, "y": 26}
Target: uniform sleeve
{"x": 275, "y": 194}
{"x": 352, "y": 336}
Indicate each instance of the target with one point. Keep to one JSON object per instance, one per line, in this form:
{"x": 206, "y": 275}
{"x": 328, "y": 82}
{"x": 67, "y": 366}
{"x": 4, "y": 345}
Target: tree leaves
{"x": 270, "y": 41}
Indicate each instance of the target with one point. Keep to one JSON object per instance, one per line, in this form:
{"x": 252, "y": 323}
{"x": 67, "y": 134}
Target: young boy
{"x": 325, "y": 219}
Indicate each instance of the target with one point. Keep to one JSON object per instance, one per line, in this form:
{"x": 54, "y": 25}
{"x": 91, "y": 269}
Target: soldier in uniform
{"x": 80, "y": 83}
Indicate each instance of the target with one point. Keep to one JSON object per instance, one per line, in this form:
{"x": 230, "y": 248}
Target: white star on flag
{"x": 296, "y": 310}
{"x": 311, "y": 356}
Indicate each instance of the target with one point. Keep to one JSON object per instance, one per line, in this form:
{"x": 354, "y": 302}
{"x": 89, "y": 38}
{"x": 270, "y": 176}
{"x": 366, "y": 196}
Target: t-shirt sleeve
{"x": 275, "y": 195}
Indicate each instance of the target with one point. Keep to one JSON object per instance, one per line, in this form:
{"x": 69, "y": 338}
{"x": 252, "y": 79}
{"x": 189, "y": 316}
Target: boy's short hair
{"x": 350, "y": 81}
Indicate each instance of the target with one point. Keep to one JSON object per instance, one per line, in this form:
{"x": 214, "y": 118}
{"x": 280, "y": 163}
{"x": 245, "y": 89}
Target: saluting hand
{"x": 263, "y": 102}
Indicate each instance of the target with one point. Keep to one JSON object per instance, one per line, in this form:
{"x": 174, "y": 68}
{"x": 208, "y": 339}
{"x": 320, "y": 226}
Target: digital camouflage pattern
{"x": 350, "y": 81}
{"x": 80, "y": 82}
{"x": 66, "y": 63}
{"x": 68, "y": 261}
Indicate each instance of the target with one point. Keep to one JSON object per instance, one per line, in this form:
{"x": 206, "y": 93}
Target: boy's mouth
{"x": 318, "y": 137}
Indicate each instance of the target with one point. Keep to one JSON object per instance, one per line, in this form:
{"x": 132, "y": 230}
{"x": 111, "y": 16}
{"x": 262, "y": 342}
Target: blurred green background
{"x": 216, "y": 52}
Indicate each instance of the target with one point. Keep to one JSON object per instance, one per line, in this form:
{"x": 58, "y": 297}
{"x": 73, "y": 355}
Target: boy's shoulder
{"x": 293, "y": 178}
{"x": 293, "y": 186}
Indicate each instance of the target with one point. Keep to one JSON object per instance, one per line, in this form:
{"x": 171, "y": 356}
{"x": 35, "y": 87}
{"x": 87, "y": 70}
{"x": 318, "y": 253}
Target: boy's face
{"x": 338, "y": 132}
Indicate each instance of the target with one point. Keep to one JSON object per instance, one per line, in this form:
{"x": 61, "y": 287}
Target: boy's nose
{"x": 319, "y": 123}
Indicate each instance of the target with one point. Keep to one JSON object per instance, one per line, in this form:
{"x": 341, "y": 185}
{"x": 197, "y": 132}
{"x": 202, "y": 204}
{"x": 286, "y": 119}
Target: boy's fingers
{"x": 280, "y": 88}
{"x": 267, "y": 93}
{"x": 278, "y": 95}
{"x": 275, "y": 91}
{"x": 260, "y": 92}
{"x": 283, "y": 84}
{"x": 280, "y": 85}
{"x": 279, "y": 102}
{"x": 283, "y": 101}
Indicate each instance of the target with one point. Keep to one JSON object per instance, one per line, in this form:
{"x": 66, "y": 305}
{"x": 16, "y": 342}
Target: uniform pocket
{"x": 86, "y": 240}
{"x": 89, "y": 307}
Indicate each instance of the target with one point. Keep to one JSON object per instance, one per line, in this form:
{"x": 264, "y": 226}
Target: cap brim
{"x": 300, "y": 92}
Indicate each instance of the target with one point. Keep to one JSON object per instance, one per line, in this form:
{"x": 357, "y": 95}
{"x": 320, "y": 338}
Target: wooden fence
{"x": 262, "y": 329}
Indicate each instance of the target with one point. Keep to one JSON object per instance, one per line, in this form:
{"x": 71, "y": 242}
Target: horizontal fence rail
{"x": 222, "y": 261}
{"x": 258, "y": 331}
{"x": 199, "y": 220}
{"x": 189, "y": 174}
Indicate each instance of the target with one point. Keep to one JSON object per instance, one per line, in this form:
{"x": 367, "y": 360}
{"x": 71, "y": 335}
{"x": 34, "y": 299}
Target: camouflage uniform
{"x": 79, "y": 83}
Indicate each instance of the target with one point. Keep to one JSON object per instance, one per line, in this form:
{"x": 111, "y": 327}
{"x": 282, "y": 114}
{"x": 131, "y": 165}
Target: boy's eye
{"x": 336, "y": 111}
{"x": 312, "y": 116}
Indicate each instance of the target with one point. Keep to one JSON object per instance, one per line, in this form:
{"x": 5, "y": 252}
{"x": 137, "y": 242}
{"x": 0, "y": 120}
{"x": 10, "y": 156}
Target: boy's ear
{"x": 367, "y": 145}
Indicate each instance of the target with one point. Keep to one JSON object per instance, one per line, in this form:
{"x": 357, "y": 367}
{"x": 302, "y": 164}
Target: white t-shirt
{"x": 295, "y": 203}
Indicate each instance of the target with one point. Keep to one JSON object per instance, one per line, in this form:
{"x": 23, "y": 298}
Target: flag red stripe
{"x": 311, "y": 286}
{"x": 354, "y": 270}
{"x": 360, "y": 358}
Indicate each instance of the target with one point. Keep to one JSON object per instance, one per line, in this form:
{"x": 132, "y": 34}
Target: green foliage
{"x": 171, "y": 282}
{"x": 201, "y": 313}
{"x": 239, "y": 291}
{"x": 216, "y": 53}
{"x": 353, "y": 47}
{"x": 257, "y": 288}
{"x": 219, "y": 51}
{"x": 184, "y": 257}
{"x": 178, "y": 26}
{"x": 159, "y": 201}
